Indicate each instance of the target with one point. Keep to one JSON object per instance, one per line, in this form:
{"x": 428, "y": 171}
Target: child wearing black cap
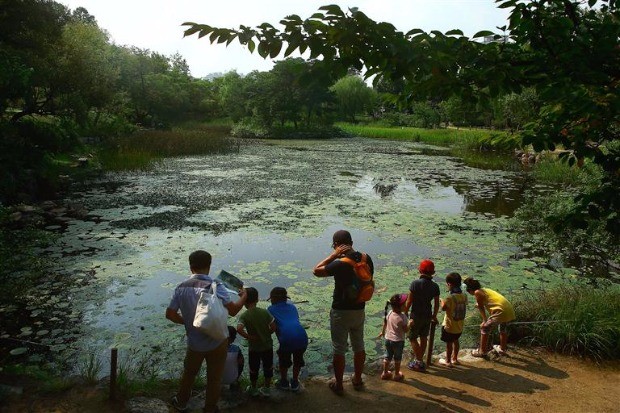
{"x": 291, "y": 335}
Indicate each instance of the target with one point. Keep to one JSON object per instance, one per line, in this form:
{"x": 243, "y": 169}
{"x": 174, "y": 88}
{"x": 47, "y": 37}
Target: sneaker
{"x": 478, "y": 353}
{"x": 265, "y": 392}
{"x": 445, "y": 363}
{"x": 386, "y": 375}
{"x": 412, "y": 365}
{"x": 252, "y": 391}
{"x": 422, "y": 366}
{"x": 283, "y": 384}
{"x": 498, "y": 349}
{"x": 174, "y": 401}
{"x": 295, "y": 386}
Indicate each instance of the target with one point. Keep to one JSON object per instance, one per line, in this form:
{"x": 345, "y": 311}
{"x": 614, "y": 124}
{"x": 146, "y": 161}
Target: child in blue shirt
{"x": 291, "y": 335}
{"x": 234, "y": 361}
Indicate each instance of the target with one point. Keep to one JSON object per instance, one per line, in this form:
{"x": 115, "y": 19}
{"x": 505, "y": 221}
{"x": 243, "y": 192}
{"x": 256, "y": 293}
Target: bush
{"x": 51, "y": 135}
{"x": 575, "y": 320}
{"x": 249, "y": 128}
{"x": 26, "y": 169}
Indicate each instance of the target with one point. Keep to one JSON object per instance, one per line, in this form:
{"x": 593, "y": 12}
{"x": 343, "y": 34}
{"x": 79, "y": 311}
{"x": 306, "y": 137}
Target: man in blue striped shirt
{"x": 200, "y": 346}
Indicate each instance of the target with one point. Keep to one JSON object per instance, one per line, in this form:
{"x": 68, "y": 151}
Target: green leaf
{"x": 191, "y": 30}
{"x": 251, "y": 45}
{"x": 263, "y": 49}
{"x": 290, "y": 49}
{"x": 275, "y": 48}
{"x": 507, "y": 4}
{"x": 414, "y": 32}
{"x": 231, "y": 38}
{"x": 455, "y": 32}
{"x": 333, "y": 10}
{"x": 483, "y": 33}
{"x": 18, "y": 351}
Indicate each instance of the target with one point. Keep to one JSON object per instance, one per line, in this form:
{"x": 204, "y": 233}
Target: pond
{"x": 267, "y": 215}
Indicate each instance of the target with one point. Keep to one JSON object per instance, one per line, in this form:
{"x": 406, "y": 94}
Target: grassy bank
{"x": 458, "y": 138}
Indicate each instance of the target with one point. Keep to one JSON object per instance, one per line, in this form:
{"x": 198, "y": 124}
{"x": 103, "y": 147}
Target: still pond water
{"x": 267, "y": 215}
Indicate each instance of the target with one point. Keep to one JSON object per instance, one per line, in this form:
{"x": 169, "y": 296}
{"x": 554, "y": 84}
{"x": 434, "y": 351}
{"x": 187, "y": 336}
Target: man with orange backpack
{"x": 353, "y": 286}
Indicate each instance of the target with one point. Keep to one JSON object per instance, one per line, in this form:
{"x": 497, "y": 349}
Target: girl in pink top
{"x": 395, "y": 325}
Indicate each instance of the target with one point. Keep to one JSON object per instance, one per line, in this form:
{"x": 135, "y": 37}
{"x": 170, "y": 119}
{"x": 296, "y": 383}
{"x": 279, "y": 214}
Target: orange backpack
{"x": 364, "y": 285}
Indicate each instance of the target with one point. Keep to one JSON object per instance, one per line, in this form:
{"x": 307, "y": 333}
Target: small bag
{"x": 211, "y": 316}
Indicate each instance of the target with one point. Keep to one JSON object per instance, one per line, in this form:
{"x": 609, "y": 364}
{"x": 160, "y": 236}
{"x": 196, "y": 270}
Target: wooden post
{"x": 113, "y": 365}
{"x": 431, "y": 342}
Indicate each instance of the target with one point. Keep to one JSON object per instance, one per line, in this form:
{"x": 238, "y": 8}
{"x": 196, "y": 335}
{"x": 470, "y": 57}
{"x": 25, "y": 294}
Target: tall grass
{"x": 462, "y": 138}
{"x": 551, "y": 169}
{"x": 140, "y": 150}
{"x": 575, "y": 320}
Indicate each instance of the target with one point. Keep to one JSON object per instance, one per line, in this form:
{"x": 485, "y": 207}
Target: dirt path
{"x": 527, "y": 381}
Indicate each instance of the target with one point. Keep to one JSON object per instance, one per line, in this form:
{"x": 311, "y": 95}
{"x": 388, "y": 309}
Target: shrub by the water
{"x": 576, "y": 320}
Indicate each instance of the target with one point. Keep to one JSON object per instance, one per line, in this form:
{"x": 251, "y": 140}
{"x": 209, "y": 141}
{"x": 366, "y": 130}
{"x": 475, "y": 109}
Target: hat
{"x": 278, "y": 294}
{"x": 403, "y": 298}
{"x": 427, "y": 267}
{"x": 342, "y": 237}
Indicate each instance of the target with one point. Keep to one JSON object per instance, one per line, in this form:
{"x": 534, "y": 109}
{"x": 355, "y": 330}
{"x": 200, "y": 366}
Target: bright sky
{"x": 156, "y": 24}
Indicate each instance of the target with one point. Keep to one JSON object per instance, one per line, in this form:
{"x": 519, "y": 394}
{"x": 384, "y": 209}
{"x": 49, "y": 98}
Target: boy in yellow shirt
{"x": 455, "y": 306}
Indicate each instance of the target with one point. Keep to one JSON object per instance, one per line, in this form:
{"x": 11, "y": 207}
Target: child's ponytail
{"x": 385, "y": 311}
{"x": 472, "y": 284}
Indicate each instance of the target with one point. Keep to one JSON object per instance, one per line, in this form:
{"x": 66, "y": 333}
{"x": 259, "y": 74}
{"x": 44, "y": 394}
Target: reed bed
{"x": 140, "y": 150}
{"x": 576, "y": 320}
{"x": 462, "y": 138}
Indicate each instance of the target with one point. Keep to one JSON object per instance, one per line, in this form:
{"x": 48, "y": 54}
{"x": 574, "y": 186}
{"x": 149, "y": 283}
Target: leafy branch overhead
{"x": 566, "y": 49}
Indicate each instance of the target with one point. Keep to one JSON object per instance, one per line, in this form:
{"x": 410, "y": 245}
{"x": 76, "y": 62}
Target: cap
{"x": 403, "y": 299}
{"x": 278, "y": 294}
{"x": 427, "y": 267}
{"x": 342, "y": 237}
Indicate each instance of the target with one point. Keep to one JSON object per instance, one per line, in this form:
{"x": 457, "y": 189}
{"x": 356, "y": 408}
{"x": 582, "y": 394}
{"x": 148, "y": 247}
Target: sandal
{"x": 445, "y": 363}
{"x": 399, "y": 376}
{"x": 333, "y": 386}
{"x": 478, "y": 353}
{"x": 386, "y": 375}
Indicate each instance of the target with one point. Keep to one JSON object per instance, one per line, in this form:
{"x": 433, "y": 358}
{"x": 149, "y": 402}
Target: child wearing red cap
{"x": 421, "y": 292}
{"x": 395, "y": 326}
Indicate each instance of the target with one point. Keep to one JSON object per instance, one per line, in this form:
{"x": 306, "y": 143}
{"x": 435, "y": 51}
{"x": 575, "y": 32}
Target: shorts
{"x": 345, "y": 324}
{"x": 255, "y": 360}
{"x": 421, "y": 328}
{"x": 491, "y": 321}
{"x": 394, "y": 350}
{"x": 287, "y": 359}
{"x": 448, "y": 337}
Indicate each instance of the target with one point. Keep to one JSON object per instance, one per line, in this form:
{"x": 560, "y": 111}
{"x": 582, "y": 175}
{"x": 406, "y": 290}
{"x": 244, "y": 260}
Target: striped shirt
{"x": 185, "y": 298}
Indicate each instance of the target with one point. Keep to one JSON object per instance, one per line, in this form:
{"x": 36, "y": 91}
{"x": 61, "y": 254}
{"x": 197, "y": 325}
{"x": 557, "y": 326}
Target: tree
{"x": 353, "y": 96}
{"x": 567, "y": 50}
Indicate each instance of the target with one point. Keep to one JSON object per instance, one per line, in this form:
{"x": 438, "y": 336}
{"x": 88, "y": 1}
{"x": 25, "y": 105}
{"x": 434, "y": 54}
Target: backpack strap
{"x": 351, "y": 261}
